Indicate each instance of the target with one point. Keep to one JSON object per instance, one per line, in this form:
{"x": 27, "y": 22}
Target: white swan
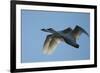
{"x": 68, "y": 36}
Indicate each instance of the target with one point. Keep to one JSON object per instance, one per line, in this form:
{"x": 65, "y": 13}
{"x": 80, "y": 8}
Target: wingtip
{"x": 83, "y": 30}
{"x": 42, "y": 29}
{"x": 45, "y": 52}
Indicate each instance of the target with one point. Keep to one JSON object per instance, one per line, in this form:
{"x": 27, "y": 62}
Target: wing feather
{"x": 68, "y": 30}
{"x": 50, "y": 44}
{"x": 46, "y": 43}
{"x": 78, "y": 31}
{"x": 53, "y": 44}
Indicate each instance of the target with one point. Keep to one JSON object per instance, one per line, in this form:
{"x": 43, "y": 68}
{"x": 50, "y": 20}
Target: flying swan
{"x": 68, "y": 36}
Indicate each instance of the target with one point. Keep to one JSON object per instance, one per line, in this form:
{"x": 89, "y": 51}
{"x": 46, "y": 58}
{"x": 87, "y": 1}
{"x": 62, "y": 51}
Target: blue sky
{"x": 33, "y": 38}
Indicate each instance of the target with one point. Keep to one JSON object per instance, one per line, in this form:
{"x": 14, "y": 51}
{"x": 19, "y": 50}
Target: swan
{"x": 68, "y": 36}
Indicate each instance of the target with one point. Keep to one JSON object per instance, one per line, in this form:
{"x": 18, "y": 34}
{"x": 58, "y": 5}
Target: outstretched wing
{"x": 46, "y": 43}
{"x": 50, "y": 44}
{"x": 78, "y": 31}
{"x": 53, "y": 44}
